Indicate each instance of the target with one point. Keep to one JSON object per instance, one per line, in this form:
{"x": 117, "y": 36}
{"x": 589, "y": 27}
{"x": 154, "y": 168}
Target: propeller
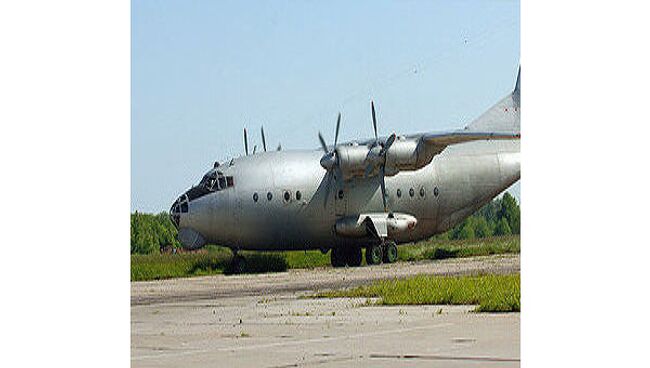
{"x": 263, "y": 139}
{"x": 246, "y": 141}
{"x": 328, "y": 161}
{"x": 377, "y": 155}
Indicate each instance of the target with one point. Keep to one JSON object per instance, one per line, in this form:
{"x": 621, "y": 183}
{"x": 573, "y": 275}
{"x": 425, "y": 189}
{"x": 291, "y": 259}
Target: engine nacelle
{"x": 352, "y": 160}
{"x": 405, "y": 154}
{"x": 408, "y": 154}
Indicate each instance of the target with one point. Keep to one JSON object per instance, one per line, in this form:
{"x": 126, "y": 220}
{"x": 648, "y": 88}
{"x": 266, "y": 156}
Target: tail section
{"x": 502, "y": 117}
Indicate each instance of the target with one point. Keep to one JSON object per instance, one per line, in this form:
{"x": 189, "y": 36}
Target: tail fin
{"x": 502, "y": 117}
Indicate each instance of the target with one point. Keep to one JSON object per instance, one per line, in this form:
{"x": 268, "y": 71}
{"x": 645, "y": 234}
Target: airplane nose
{"x": 179, "y": 207}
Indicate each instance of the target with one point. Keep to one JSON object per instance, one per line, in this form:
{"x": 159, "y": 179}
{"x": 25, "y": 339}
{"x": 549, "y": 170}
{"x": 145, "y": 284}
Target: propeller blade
{"x": 327, "y": 187}
{"x": 263, "y": 140}
{"x": 322, "y": 142}
{"x": 246, "y": 141}
{"x": 389, "y": 142}
{"x": 279, "y": 147}
{"x": 374, "y": 118}
{"x": 383, "y": 186}
{"x": 338, "y": 123}
{"x": 368, "y": 171}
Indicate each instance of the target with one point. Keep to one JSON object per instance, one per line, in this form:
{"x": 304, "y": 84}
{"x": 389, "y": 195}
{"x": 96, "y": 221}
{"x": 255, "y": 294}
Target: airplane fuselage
{"x": 281, "y": 200}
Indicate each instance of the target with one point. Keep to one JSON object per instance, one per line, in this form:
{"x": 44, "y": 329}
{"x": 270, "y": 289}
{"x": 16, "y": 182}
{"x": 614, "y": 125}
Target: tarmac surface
{"x": 264, "y": 321}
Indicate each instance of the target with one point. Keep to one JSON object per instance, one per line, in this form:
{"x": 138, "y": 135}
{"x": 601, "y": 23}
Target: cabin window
{"x": 411, "y": 192}
{"x": 298, "y": 195}
{"x": 255, "y": 197}
{"x": 222, "y": 182}
{"x": 287, "y": 196}
{"x": 184, "y": 207}
{"x": 399, "y": 193}
{"x": 341, "y": 194}
{"x": 269, "y": 196}
{"x": 230, "y": 181}
{"x": 422, "y": 192}
{"x": 435, "y": 191}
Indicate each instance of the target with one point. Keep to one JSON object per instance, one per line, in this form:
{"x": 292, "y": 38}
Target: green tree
{"x": 510, "y": 211}
{"x": 481, "y": 228}
{"x": 149, "y": 233}
{"x": 502, "y": 228}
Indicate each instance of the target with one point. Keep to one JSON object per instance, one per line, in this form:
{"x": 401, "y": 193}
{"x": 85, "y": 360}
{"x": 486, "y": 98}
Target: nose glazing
{"x": 179, "y": 207}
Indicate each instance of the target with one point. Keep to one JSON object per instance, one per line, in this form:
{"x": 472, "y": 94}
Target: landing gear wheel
{"x": 390, "y": 252}
{"x": 337, "y": 257}
{"x": 354, "y": 257}
{"x": 374, "y": 254}
{"x": 238, "y": 264}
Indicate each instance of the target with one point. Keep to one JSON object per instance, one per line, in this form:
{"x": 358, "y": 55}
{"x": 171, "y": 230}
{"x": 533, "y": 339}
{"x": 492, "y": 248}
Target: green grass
{"x": 442, "y": 249}
{"x": 215, "y": 260}
{"x": 491, "y": 293}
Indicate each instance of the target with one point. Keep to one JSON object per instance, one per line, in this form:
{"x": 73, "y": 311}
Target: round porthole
{"x": 341, "y": 194}
{"x": 435, "y": 191}
{"x": 399, "y": 193}
{"x": 422, "y": 192}
{"x": 298, "y": 195}
{"x": 269, "y": 196}
{"x": 255, "y": 197}
{"x": 411, "y": 192}
{"x": 287, "y": 196}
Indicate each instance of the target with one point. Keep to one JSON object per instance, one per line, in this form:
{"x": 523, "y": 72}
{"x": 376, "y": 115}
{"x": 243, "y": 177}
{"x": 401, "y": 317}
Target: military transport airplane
{"x": 371, "y": 194}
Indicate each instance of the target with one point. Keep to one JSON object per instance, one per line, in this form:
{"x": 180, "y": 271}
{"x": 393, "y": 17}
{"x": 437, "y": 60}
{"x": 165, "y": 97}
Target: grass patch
{"x": 215, "y": 260}
{"x": 437, "y": 249}
{"x": 491, "y": 293}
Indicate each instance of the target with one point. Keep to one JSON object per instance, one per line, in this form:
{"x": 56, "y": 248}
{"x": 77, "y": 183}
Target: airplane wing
{"x": 446, "y": 139}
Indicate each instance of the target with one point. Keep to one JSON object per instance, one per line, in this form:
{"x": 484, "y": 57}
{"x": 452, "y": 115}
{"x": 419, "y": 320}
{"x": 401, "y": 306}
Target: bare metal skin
{"x": 442, "y": 178}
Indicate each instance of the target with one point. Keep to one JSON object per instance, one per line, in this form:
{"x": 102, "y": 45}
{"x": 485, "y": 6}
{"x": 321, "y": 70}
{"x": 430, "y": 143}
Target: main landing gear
{"x": 375, "y": 254}
{"x": 346, "y": 256}
{"x": 237, "y": 264}
{"x": 385, "y": 252}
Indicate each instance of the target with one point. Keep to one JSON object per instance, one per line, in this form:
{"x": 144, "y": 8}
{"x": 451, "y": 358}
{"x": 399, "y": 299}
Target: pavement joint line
{"x": 443, "y": 357}
{"x": 290, "y": 343}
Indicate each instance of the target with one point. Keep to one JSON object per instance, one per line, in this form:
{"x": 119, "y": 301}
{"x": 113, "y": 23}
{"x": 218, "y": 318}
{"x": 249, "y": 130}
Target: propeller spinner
{"x": 328, "y": 161}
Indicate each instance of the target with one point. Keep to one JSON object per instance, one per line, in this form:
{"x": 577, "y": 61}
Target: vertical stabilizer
{"x": 502, "y": 117}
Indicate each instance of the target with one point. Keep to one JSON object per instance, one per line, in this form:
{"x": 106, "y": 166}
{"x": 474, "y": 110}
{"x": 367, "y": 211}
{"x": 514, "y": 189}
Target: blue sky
{"x": 202, "y": 70}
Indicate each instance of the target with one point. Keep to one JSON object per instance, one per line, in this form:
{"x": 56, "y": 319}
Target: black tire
{"x": 390, "y": 252}
{"x": 337, "y": 257}
{"x": 353, "y": 258}
{"x": 374, "y": 254}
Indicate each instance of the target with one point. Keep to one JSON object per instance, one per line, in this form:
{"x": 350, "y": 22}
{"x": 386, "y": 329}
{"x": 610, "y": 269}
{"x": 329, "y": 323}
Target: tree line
{"x": 150, "y": 233}
{"x": 499, "y": 217}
